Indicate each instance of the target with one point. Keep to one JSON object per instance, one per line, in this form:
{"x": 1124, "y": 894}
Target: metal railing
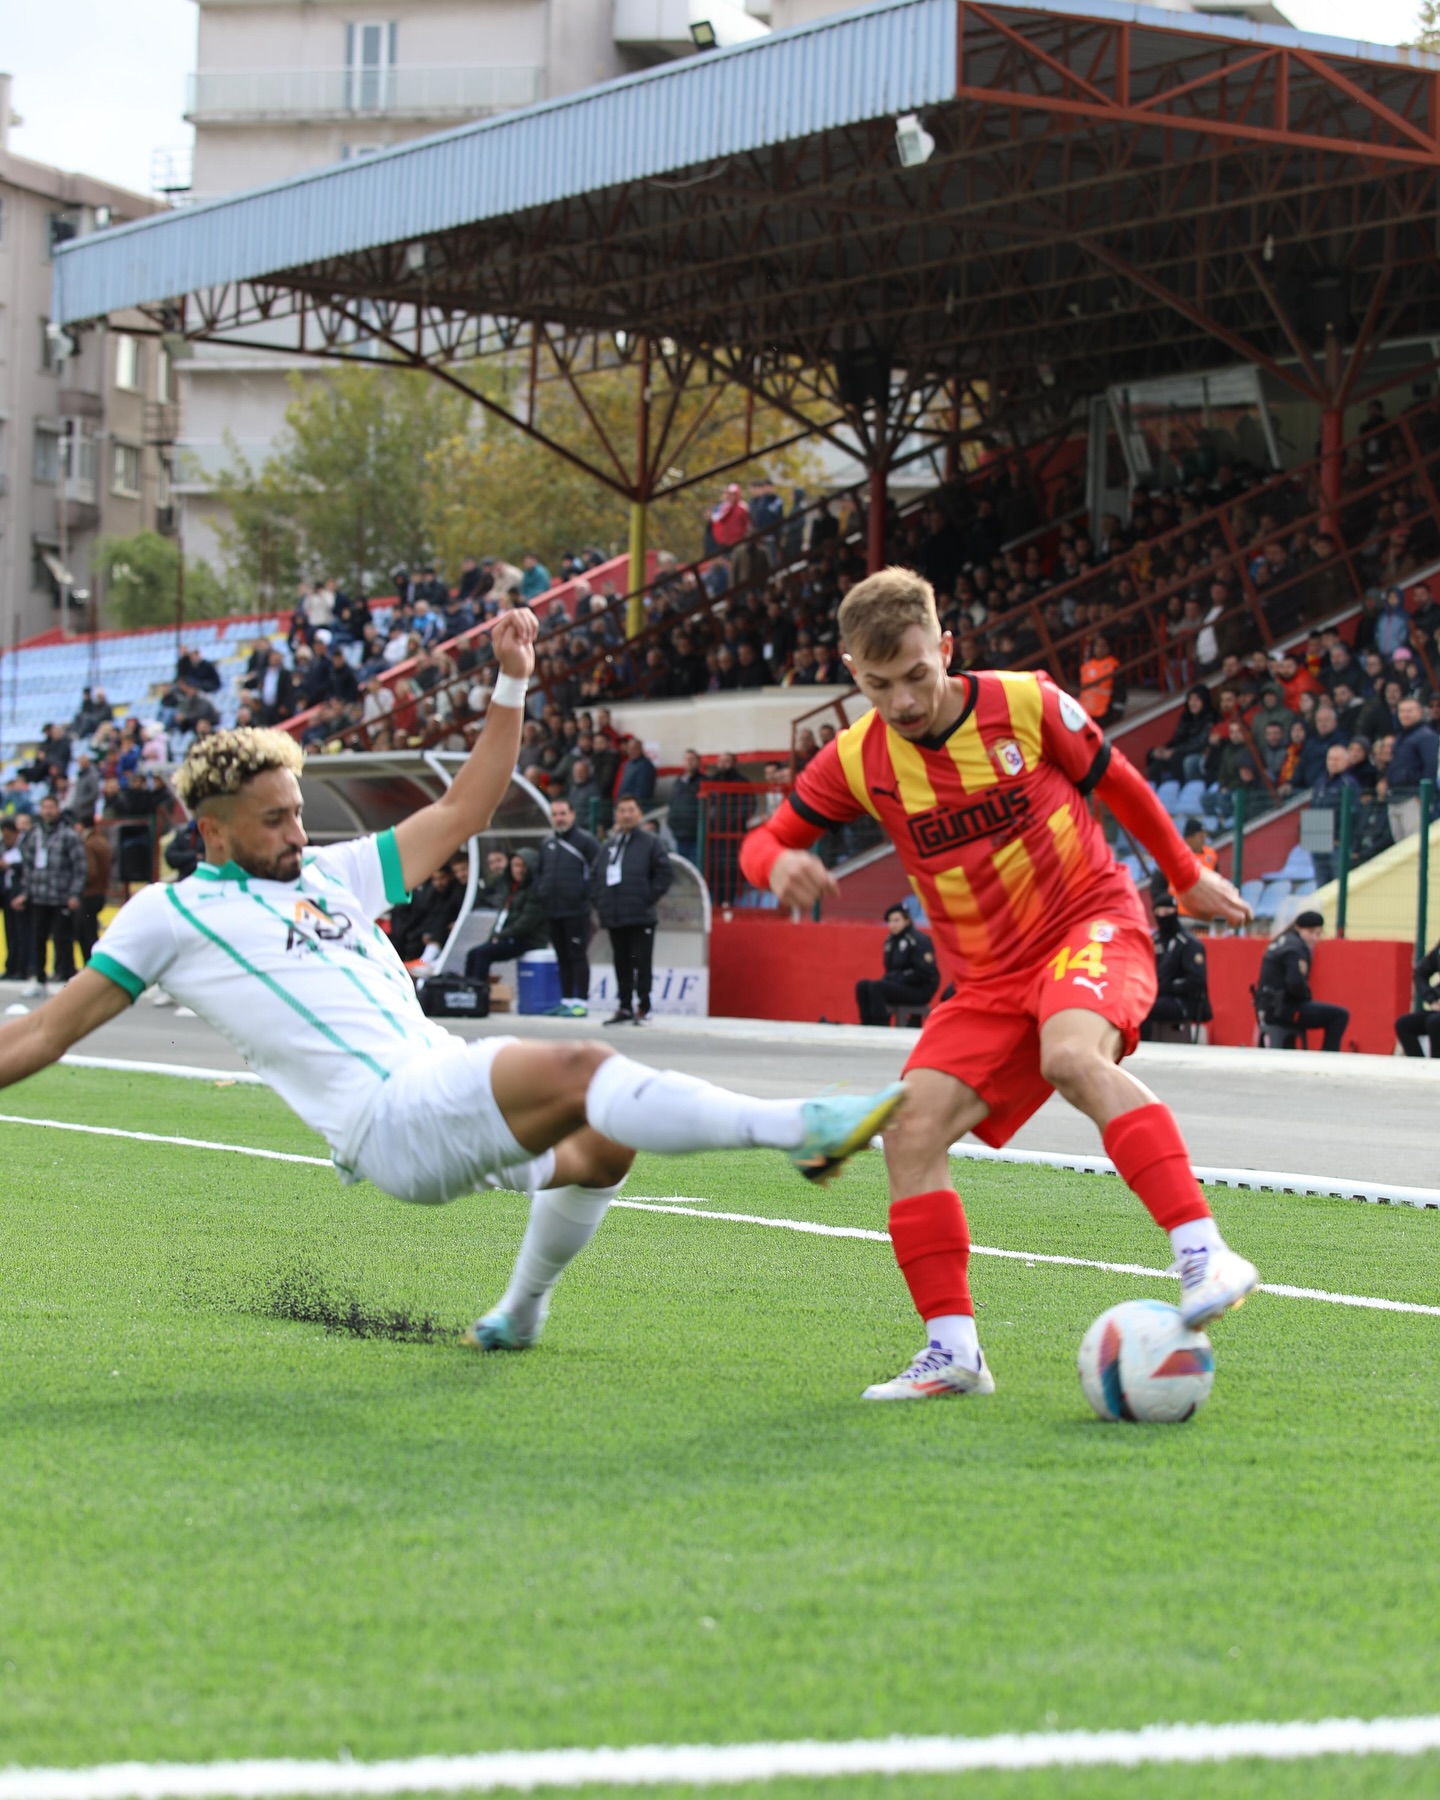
{"x": 317, "y": 93}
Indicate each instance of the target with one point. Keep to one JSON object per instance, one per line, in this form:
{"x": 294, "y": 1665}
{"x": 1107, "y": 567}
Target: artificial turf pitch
{"x": 254, "y": 1501}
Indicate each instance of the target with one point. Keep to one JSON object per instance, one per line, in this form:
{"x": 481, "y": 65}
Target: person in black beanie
{"x": 1182, "y": 988}
{"x": 1284, "y": 997}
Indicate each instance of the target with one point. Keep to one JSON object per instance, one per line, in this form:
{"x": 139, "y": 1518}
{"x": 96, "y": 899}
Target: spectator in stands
{"x": 85, "y": 791}
{"x": 1183, "y": 758}
{"x": 494, "y": 882}
{"x": 1283, "y": 995}
{"x": 684, "y": 814}
{"x": 198, "y": 670}
{"x": 18, "y": 959}
{"x": 535, "y": 579}
{"x": 1182, "y": 989}
{"x": 1273, "y": 751}
{"x": 343, "y": 685}
{"x": 637, "y": 775}
{"x": 92, "y": 713}
{"x": 17, "y": 796}
{"x": 1424, "y": 1022}
{"x": 98, "y": 860}
{"x": 1325, "y": 736}
{"x": 729, "y": 521}
{"x": 1230, "y": 765}
{"x": 1272, "y": 710}
{"x": 1392, "y": 628}
{"x": 1413, "y": 759}
{"x": 910, "y": 979}
{"x": 584, "y": 795}
{"x": 1332, "y": 781}
{"x": 53, "y": 874}
{"x": 626, "y": 886}
{"x": 567, "y": 863}
{"x": 520, "y": 924}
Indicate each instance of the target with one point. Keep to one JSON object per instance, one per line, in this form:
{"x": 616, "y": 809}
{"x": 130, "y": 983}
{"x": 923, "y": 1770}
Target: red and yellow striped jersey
{"x": 990, "y": 821}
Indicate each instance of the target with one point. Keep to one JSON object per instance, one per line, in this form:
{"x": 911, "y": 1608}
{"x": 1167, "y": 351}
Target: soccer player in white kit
{"x": 275, "y": 945}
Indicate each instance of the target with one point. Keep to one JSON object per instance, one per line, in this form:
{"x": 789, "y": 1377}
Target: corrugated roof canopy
{"x": 1115, "y": 190}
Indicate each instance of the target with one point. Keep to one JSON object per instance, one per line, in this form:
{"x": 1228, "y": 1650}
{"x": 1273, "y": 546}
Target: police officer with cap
{"x": 1283, "y": 995}
{"x": 1182, "y": 988}
{"x": 910, "y": 977}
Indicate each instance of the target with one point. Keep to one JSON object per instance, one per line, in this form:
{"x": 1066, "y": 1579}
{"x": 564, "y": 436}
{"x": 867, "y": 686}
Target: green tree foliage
{"x": 346, "y": 491}
{"x": 496, "y": 490}
{"x": 141, "y": 582}
{"x": 1427, "y": 27}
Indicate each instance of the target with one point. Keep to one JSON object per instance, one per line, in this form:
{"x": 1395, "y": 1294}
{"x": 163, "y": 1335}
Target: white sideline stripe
{"x": 697, "y": 1210}
{"x": 692, "y": 1209}
{"x": 720, "y": 1765}
{"x": 153, "y": 1137}
{"x": 1259, "y": 1180}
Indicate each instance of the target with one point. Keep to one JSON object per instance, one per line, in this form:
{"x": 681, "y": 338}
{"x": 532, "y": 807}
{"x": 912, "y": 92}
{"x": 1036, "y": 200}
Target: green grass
{"x": 226, "y": 1533}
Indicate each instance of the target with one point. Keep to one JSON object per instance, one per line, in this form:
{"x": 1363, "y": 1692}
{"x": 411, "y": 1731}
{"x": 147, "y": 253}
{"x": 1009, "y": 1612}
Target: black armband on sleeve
{"x": 810, "y": 816}
{"x": 1097, "y": 773}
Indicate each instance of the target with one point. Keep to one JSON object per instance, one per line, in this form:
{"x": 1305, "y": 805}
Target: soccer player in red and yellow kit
{"x": 981, "y": 782}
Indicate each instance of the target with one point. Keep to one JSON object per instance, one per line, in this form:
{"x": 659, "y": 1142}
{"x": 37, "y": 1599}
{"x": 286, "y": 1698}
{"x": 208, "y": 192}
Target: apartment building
{"x": 284, "y": 86}
{"x": 82, "y": 420}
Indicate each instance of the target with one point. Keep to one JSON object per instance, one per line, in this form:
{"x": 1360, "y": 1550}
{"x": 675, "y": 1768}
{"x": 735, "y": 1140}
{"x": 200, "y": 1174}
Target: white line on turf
{"x": 694, "y": 1209}
{"x": 719, "y": 1765}
{"x": 1261, "y": 1180}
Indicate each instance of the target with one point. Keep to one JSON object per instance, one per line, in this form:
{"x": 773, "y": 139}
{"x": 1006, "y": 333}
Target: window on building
{"x": 127, "y": 361}
{"x": 47, "y": 453}
{"x": 162, "y": 374}
{"x": 125, "y": 471}
{"x": 63, "y": 227}
{"x": 48, "y": 360}
{"x": 369, "y": 58}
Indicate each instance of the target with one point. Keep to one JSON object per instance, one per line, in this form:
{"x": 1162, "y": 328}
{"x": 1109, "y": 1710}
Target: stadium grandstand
{"x": 1152, "y": 294}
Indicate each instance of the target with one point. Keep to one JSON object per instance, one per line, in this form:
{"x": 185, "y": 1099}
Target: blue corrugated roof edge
{"x": 891, "y": 56}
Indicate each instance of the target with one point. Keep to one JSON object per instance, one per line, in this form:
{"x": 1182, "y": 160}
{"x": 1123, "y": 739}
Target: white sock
{"x": 1196, "y": 1234}
{"x": 955, "y": 1332}
{"x": 660, "y": 1109}
{"x": 562, "y": 1222}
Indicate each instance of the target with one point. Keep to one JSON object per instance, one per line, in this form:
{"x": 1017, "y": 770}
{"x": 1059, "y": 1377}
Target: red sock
{"x": 1148, "y": 1150}
{"x": 932, "y": 1247}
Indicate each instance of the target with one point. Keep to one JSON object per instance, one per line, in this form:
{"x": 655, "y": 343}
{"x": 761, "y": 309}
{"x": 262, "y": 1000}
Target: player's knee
{"x": 1068, "y": 1066}
{"x": 570, "y": 1068}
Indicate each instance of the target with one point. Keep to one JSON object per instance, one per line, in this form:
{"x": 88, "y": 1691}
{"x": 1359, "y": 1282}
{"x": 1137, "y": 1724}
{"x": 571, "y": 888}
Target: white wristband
{"x": 510, "y": 690}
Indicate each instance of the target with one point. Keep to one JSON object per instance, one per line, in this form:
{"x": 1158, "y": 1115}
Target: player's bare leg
{"x": 1079, "y": 1053}
{"x": 931, "y": 1238}
{"x": 588, "y": 1104}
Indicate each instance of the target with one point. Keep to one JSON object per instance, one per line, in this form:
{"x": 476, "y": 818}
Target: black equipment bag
{"x": 454, "y": 997}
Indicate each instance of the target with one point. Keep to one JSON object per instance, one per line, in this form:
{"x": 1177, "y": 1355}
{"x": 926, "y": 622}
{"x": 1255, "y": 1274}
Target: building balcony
{"x": 244, "y": 96}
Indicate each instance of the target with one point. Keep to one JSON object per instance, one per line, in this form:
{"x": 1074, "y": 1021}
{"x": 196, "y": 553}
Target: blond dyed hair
{"x": 218, "y": 766}
{"x": 877, "y": 612}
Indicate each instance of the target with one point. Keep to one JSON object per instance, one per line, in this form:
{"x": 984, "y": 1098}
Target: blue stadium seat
{"x": 1169, "y": 794}
{"x": 1271, "y": 896}
{"x": 1250, "y": 893}
{"x": 1190, "y": 800}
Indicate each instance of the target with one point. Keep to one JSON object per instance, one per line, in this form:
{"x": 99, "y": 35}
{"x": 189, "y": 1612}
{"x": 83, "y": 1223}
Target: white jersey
{"x": 296, "y": 974}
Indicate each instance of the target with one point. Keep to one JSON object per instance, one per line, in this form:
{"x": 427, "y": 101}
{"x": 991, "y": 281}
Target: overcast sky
{"x": 100, "y": 83}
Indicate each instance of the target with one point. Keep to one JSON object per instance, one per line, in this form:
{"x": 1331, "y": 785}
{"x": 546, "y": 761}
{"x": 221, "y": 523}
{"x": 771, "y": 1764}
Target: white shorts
{"x": 437, "y": 1132}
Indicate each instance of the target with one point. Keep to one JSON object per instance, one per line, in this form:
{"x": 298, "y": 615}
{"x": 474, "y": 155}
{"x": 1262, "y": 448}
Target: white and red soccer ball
{"x": 1140, "y": 1362}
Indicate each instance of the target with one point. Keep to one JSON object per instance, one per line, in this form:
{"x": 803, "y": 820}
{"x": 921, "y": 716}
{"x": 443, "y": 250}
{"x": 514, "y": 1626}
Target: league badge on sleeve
{"x": 1073, "y": 713}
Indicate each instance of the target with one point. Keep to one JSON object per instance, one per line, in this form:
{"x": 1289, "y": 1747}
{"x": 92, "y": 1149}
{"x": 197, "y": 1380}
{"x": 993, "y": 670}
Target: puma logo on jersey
{"x": 1097, "y": 988}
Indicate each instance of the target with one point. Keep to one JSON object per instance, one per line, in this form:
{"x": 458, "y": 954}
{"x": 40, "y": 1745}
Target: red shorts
{"x": 988, "y": 1036}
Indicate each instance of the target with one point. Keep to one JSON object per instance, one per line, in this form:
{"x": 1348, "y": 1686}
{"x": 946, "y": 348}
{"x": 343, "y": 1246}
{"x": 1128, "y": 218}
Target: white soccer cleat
{"x": 934, "y": 1373}
{"x": 1211, "y": 1283}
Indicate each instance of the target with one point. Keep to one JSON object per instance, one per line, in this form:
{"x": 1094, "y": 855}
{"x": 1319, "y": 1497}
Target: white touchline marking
{"x": 151, "y": 1137}
{"x": 686, "y": 1209}
{"x": 695, "y": 1209}
{"x": 720, "y": 1765}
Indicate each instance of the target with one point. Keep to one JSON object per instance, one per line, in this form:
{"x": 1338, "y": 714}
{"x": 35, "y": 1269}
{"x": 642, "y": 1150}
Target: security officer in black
{"x": 567, "y": 861}
{"x": 1425, "y": 1021}
{"x": 1182, "y": 988}
{"x": 1283, "y": 993}
{"x": 910, "y": 977}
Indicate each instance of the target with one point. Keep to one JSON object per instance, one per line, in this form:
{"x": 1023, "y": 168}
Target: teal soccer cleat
{"x": 497, "y": 1331}
{"x": 837, "y": 1125}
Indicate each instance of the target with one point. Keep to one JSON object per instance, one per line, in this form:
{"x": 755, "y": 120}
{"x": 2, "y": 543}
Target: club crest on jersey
{"x": 1009, "y": 757}
{"x": 1102, "y": 932}
{"x": 312, "y": 923}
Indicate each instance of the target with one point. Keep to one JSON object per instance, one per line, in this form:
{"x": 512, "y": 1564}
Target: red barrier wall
{"x": 765, "y": 967}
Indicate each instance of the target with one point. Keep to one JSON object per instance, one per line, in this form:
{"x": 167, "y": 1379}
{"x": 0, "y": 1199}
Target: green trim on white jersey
{"x": 118, "y": 973}
{"x": 395, "y": 890}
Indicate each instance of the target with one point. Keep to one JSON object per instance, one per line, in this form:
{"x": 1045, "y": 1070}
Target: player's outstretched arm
{"x": 84, "y": 1004}
{"x": 433, "y": 835}
{"x": 1206, "y": 892}
{"x": 777, "y": 855}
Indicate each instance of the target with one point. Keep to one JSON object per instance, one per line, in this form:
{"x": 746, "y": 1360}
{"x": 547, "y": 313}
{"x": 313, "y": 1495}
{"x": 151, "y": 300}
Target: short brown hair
{"x": 218, "y": 766}
{"x": 877, "y": 612}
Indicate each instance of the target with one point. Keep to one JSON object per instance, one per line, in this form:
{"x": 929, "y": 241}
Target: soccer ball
{"x": 1140, "y": 1362}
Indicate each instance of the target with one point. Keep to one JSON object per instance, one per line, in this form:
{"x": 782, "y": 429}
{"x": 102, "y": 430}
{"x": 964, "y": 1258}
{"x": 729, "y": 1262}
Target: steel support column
{"x": 640, "y": 499}
{"x": 879, "y": 499}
